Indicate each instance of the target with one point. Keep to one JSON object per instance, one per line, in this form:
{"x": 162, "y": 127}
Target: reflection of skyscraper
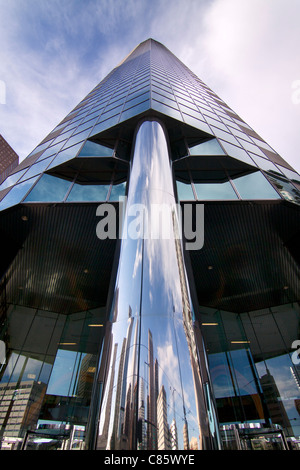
{"x": 86, "y": 375}
{"x": 102, "y": 439}
{"x": 163, "y": 433}
{"x": 185, "y": 436}
{"x": 194, "y": 443}
{"x": 174, "y": 435}
{"x": 295, "y": 375}
{"x": 156, "y": 386}
{"x": 152, "y": 399}
{"x": 121, "y": 389}
{"x": 20, "y": 405}
{"x": 141, "y": 418}
{"x": 275, "y": 406}
{"x": 115, "y": 432}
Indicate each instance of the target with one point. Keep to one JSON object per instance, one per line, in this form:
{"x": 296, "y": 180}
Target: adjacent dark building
{"x": 150, "y": 274}
{"x": 9, "y": 159}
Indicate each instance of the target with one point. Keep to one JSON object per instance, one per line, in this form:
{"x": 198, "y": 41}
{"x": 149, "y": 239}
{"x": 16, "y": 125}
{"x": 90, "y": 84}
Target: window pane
{"x": 215, "y": 191}
{"x": 185, "y": 191}
{"x": 265, "y": 164}
{"x": 17, "y": 193}
{"x": 292, "y": 175}
{"x": 66, "y": 154}
{"x": 135, "y": 110}
{"x": 255, "y": 186}
{"x": 286, "y": 189}
{"x": 89, "y": 192}
{"x": 91, "y": 149}
{"x": 117, "y": 191}
{"x": 62, "y": 372}
{"x": 37, "y": 169}
{"x": 237, "y": 152}
{"x": 212, "y": 147}
{"x": 10, "y": 180}
{"x": 48, "y": 189}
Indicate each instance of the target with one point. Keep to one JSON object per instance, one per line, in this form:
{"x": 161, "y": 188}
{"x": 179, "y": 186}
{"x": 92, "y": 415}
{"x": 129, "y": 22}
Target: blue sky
{"x": 52, "y": 53}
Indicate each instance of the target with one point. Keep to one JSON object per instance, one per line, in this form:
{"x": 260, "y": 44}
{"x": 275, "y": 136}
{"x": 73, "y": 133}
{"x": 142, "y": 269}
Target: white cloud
{"x": 252, "y": 59}
{"x": 53, "y": 53}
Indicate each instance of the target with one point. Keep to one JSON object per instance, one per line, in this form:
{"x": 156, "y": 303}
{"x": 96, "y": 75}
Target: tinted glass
{"x": 255, "y": 186}
{"x": 17, "y": 193}
{"x": 215, "y": 191}
{"x": 65, "y": 155}
{"x": 49, "y": 188}
{"x": 117, "y": 191}
{"x": 185, "y": 191}
{"x": 80, "y": 192}
{"x": 212, "y": 147}
{"x": 91, "y": 149}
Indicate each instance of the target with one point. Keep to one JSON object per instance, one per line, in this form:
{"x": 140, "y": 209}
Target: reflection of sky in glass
{"x": 26, "y": 369}
{"x": 17, "y": 193}
{"x": 49, "y": 188}
{"x": 81, "y": 192}
{"x": 63, "y": 373}
{"x": 255, "y": 186}
{"x": 185, "y": 191}
{"x": 279, "y": 368}
{"x": 117, "y": 191}
{"x": 215, "y": 191}
{"x": 91, "y": 149}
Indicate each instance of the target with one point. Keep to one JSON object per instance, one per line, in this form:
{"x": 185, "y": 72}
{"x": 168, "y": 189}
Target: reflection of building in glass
{"x": 272, "y": 398}
{"x": 174, "y": 435}
{"x": 185, "y": 436}
{"x": 141, "y": 418}
{"x": 229, "y": 316}
{"x": 194, "y": 443}
{"x": 20, "y": 406}
{"x": 295, "y": 376}
{"x": 86, "y": 375}
{"x": 103, "y": 438}
{"x": 151, "y": 428}
{"x": 162, "y": 421}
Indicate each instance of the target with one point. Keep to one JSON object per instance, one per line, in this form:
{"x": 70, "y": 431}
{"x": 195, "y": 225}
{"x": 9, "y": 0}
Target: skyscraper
{"x": 155, "y": 234}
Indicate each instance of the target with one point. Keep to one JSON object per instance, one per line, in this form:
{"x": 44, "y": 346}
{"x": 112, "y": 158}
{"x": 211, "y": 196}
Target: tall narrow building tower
{"x": 154, "y": 233}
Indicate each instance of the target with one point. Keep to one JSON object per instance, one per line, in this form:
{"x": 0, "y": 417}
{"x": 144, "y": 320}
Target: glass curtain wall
{"x": 254, "y": 366}
{"x": 46, "y": 376}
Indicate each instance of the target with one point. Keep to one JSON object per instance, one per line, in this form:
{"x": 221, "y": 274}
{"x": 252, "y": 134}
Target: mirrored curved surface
{"x": 154, "y": 391}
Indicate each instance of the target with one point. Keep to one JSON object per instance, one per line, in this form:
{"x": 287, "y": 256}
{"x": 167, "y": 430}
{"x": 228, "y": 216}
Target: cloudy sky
{"x": 53, "y": 52}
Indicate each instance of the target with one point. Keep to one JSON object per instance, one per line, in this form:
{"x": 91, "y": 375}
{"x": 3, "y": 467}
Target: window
{"x": 88, "y": 192}
{"x": 255, "y": 186}
{"x": 185, "y": 191}
{"x": 17, "y": 193}
{"x": 211, "y": 147}
{"x": 215, "y": 191}
{"x": 92, "y": 149}
{"x": 66, "y": 154}
{"x": 117, "y": 191}
{"x": 49, "y": 189}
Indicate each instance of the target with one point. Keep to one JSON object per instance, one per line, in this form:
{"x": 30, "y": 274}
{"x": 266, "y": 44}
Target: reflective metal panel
{"x": 156, "y": 395}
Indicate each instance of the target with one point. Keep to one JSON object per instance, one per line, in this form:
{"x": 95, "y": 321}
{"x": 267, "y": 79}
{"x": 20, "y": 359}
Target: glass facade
{"x": 135, "y": 339}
